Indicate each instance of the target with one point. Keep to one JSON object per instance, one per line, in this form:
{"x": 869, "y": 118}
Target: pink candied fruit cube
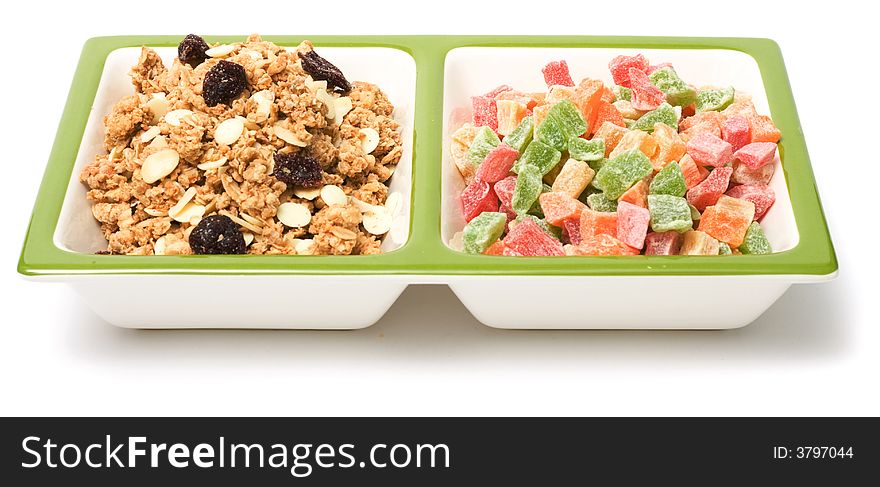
{"x": 477, "y": 198}
{"x": 528, "y": 239}
{"x": 498, "y": 163}
{"x": 504, "y": 190}
{"x": 485, "y": 112}
{"x": 556, "y": 73}
{"x": 571, "y": 230}
{"x": 621, "y": 65}
{"x": 736, "y": 131}
{"x": 559, "y": 206}
{"x": 645, "y": 96}
{"x": 497, "y": 91}
{"x": 761, "y": 195}
{"x": 756, "y": 154}
{"x": 709, "y": 150}
{"x": 663, "y": 243}
{"x": 707, "y": 192}
{"x": 632, "y": 224}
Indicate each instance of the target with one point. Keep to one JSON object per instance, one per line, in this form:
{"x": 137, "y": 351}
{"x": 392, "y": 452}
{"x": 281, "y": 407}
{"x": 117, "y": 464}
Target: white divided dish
{"x": 624, "y": 302}
{"x": 238, "y": 301}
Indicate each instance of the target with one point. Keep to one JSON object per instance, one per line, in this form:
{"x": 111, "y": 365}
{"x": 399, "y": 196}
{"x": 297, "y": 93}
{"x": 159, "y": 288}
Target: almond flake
{"x": 174, "y": 117}
{"x": 304, "y": 246}
{"x": 343, "y": 233}
{"x": 213, "y": 164}
{"x": 377, "y": 223}
{"x": 150, "y": 134}
{"x": 175, "y": 210}
{"x": 159, "y": 165}
{"x": 333, "y": 195}
{"x": 251, "y": 219}
{"x": 228, "y": 131}
{"x": 189, "y": 213}
{"x": 286, "y": 135}
{"x": 393, "y": 203}
{"x": 328, "y": 101}
{"x": 248, "y": 238}
{"x": 365, "y": 207}
{"x": 369, "y": 139}
{"x": 294, "y": 215}
{"x": 159, "y": 246}
{"x": 307, "y": 193}
{"x": 158, "y": 106}
{"x": 222, "y": 50}
{"x": 343, "y": 106}
{"x": 154, "y": 212}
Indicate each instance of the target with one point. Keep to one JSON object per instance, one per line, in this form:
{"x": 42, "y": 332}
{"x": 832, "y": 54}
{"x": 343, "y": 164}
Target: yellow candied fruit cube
{"x": 611, "y": 134}
{"x": 510, "y": 114}
{"x": 573, "y": 178}
{"x": 671, "y": 147}
{"x": 636, "y": 139}
{"x": 558, "y": 93}
{"x": 461, "y": 141}
{"x": 626, "y": 109}
{"x": 698, "y": 243}
{"x": 539, "y": 113}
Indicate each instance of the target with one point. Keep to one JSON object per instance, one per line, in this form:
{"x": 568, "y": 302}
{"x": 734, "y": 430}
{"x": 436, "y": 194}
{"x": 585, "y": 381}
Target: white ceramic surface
{"x": 472, "y": 71}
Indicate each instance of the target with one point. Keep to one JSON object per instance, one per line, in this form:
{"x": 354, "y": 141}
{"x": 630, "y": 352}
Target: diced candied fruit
{"x": 596, "y": 222}
{"x": 707, "y": 192}
{"x": 637, "y": 194}
{"x": 484, "y": 141}
{"x": 521, "y": 136}
{"x": 714, "y": 100}
{"x": 696, "y": 242}
{"x": 670, "y": 180}
{"x": 497, "y": 164}
{"x": 755, "y": 241}
{"x": 556, "y": 73}
{"x": 736, "y": 131}
{"x": 621, "y": 65}
{"x": 600, "y": 245}
{"x": 558, "y": 207}
{"x": 761, "y": 195}
{"x": 573, "y": 178}
{"x": 728, "y": 220}
{"x": 621, "y": 172}
{"x": 756, "y": 154}
{"x": 663, "y": 243}
{"x": 709, "y": 150}
{"x": 485, "y": 112}
{"x": 482, "y": 231}
{"x": 509, "y": 114}
{"x": 662, "y": 114}
{"x": 669, "y": 213}
{"x": 476, "y": 198}
{"x": 632, "y": 224}
{"x": 645, "y": 96}
{"x": 528, "y": 239}
{"x": 693, "y": 173}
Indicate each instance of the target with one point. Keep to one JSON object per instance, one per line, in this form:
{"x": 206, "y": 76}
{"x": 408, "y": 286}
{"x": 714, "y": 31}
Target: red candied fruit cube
{"x": 556, "y": 73}
{"x": 606, "y": 112}
{"x": 485, "y": 112}
{"x": 621, "y": 65}
{"x": 709, "y": 150}
{"x": 761, "y": 195}
{"x": 507, "y": 210}
{"x": 497, "y": 91}
{"x": 571, "y": 230}
{"x": 504, "y": 190}
{"x": 707, "y": 193}
{"x": 498, "y": 163}
{"x": 651, "y": 69}
{"x": 558, "y": 207}
{"x": 663, "y": 243}
{"x": 736, "y": 131}
{"x": 645, "y": 96}
{"x": 528, "y": 239}
{"x": 632, "y": 224}
{"x": 756, "y": 154}
{"x": 477, "y": 198}
{"x": 598, "y": 222}
{"x": 602, "y": 244}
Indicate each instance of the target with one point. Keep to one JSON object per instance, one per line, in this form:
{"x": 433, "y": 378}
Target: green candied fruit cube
{"x": 714, "y": 100}
{"x": 623, "y": 93}
{"x": 677, "y": 92}
{"x": 724, "y": 249}
{"x": 598, "y": 202}
{"x": 483, "y": 143}
{"x": 549, "y": 229}
{"x": 521, "y": 135}
{"x": 540, "y": 156}
{"x": 551, "y": 133}
{"x": 586, "y": 150}
{"x": 483, "y": 231}
{"x": 670, "y": 180}
{"x": 669, "y": 213}
{"x": 563, "y": 122}
{"x": 597, "y": 164}
{"x": 618, "y": 174}
{"x": 590, "y": 189}
{"x": 665, "y": 113}
{"x": 528, "y": 188}
{"x": 755, "y": 242}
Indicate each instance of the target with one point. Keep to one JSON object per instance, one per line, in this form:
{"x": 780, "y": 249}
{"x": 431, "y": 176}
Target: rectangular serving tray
{"x": 587, "y": 290}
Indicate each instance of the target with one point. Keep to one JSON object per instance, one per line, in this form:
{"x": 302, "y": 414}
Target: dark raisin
{"x": 322, "y": 69}
{"x": 223, "y": 83}
{"x": 298, "y": 169}
{"x": 192, "y": 50}
{"x": 217, "y": 234}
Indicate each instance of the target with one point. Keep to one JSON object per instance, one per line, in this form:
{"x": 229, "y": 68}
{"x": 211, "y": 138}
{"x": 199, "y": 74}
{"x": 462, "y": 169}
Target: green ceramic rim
{"x": 424, "y": 252}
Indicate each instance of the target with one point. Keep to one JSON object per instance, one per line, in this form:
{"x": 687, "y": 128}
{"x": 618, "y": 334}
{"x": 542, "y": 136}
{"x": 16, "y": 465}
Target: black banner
{"x": 441, "y": 451}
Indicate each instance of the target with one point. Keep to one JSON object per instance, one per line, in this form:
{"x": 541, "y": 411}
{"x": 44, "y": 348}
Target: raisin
{"x": 223, "y": 83}
{"x": 192, "y": 50}
{"x": 298, "y": 169}
{"x": 217, "y": 234}
{"x": 321, "y": 69}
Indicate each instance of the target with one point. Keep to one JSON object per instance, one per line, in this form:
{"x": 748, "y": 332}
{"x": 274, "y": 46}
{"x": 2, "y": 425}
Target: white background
{"x": 816, "y": 352}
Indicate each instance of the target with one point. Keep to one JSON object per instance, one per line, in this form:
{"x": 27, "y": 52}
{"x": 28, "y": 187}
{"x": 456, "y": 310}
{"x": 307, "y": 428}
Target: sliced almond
{"x": 305, "y": 246}
{"x": 158, "y": 106}
{"x": 315, "y": 85}
{"x": 255, "y": 55}
{"x": 229, "y": 131}
{"x": 159, "y": 142}
{"x": 393, "y": 203}
{"x": 188, "y": 195}
{"x": 307, "y": 193}
{"x": 343, "y": 106}
{"x": 294, "y": 215}
{"x": 264, "y": 100}
{"x": 343, "y": 233}
{"x": 251, "y": 219}
{"x": 329, "y": 102}
{"x": 222, "y": 50}
{"x": 240, "y": 222}
{"x": 286, "y": 135}
{"x": 213, "y": 164}
{"x": 369, "y": 139}
{"x": 248, "y": 238}
{"x": 174, "y": 117}
{"x": 365, "y": 207}
{"x": 154, "y": 212}
{"x": 189, "y": 213}
{"x": 333, "y": 195}
{"x": 159, "y": 246}
{"x": 377, "y": 223}
{"x": 150, "y": 134}
{"x": 159, "y": 164}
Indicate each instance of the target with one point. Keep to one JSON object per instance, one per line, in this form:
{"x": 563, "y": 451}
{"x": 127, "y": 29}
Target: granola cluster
{"x": 172, "y": 160}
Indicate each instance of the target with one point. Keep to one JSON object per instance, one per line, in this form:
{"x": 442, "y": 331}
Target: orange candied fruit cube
{"x": 598, "y": 222}
{"x": 728, "y": 220}
{"x": 763, "y": 129}
{"x": 611, "y": 134}
{"x": 637, "y": 194}
{"x": 694, "y": 173}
